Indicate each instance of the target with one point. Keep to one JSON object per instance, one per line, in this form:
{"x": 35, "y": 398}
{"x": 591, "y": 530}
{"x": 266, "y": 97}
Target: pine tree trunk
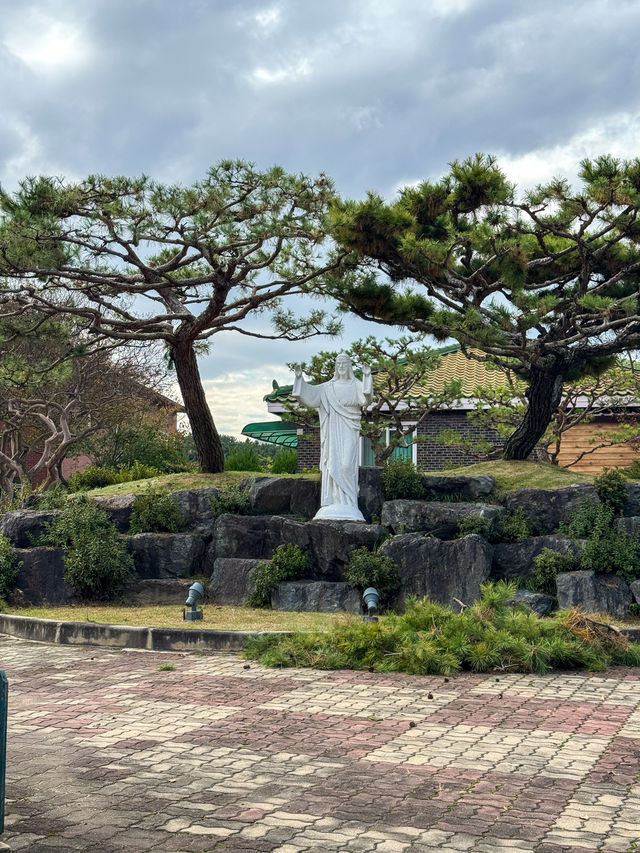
{"x": 543, "y": 394}
{"x": 203, "y": 429}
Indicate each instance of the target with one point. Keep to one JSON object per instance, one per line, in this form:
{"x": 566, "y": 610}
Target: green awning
{"x": 283, "y": 433}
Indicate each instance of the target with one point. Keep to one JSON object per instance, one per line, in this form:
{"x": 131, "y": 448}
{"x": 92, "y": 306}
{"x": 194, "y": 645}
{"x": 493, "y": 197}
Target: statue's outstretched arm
{"x": 367, "y": 383}
{"x": 307, "y": 394}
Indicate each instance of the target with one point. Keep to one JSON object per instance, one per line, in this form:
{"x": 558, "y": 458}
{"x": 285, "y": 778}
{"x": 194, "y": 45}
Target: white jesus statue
{"x": 339, "y": 403}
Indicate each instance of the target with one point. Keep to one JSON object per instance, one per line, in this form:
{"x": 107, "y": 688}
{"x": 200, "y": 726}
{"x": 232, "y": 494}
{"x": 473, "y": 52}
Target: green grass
{"x": 189, "y": 480}
{"x": 510, "y": 476}
{"x": 170, "y": 616}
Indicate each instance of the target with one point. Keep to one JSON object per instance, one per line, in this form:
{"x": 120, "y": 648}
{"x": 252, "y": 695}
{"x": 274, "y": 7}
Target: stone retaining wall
{"x": 419, "y": 535}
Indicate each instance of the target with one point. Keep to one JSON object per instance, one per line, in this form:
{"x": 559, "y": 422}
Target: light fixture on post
{"x": 370, "y": 598}
{"x": 196, "y": 594}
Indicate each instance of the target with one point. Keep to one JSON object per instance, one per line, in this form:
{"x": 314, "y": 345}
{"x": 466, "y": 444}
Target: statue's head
{"x": 343, "y": 368}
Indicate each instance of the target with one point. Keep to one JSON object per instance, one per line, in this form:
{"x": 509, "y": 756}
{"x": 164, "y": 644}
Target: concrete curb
{"x": 125, "y": 636}
{"x": 150, "y": 639}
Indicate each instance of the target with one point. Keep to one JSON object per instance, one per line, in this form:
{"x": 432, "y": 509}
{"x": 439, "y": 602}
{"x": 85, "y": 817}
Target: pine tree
{"x": 545, "y": 284}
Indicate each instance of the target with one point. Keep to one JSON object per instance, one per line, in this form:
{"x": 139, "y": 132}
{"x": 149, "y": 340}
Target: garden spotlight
{"x": 370, "y": 598}
{"x": 196, "y": 594}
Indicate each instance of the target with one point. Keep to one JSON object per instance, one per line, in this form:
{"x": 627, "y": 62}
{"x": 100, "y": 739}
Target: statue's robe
{"x": 339, "y": 404}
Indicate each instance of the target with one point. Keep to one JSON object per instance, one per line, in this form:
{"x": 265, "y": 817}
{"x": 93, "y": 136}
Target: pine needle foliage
{"x": 431, "y": 639}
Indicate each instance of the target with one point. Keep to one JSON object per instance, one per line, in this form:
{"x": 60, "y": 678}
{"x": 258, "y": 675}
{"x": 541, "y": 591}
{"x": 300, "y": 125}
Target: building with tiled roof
{"x": 429, "y": 453}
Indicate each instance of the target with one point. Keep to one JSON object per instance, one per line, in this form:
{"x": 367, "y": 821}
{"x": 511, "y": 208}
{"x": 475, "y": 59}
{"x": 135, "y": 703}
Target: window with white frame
{"x": 408, "y": 449}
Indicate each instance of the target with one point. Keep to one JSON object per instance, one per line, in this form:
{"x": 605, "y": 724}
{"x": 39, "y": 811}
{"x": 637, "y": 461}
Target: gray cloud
{"x": 374, "y": 92}
{"x": 367, "y": 91}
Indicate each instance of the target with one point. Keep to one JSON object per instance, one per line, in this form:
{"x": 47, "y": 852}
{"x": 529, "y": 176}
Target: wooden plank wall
{"x": 577, "y": 439}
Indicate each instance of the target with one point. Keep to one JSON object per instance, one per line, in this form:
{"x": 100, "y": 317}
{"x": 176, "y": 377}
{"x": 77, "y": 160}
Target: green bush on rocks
{"x": 155, "y": 512}
{"x": 287, "y": 563}
{"x": 232, "y": 498}
{"x": 9, "y": 565}
{"x": 368, "y": 568}
{"x": 97, "y": 564}
{"x": 401, "y": 479}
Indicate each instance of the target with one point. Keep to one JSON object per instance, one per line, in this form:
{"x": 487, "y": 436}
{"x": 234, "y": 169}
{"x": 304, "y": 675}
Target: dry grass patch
{"x": 170, "y": 616}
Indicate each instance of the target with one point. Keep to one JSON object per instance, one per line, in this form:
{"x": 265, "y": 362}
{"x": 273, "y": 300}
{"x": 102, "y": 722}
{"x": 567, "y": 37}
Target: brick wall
{"x": 432, "y": 456}
{"x": 309, "y": 448}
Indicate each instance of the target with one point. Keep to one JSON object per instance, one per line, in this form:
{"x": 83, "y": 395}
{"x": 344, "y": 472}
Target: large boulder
{"x": 252, "y": 536}
{"x": 629, "y": 526}
{"x": 537, "y": 602}
{"x": 119, "y": 508}
{"x": 635, "y": 591}
{"x": 195, "y": 508}
{"x": 515, "y": 559}
{"x": 457, "y": 486}
{"x": 328, "y": 544}
{"x": 547, "y": 508}
{"x": 40, "y": 577}
{"x": 632, "y": 506}
{"x": 371, "y": 493}
{"x": 594, "y": 593}
{"x": 158, "y": 591}
{"x": 166, "y": 555}
{"x": 441, "y": 519}
{"x": 232, "y": 580}
{"x": 284, "y": 496}
{"x": 443, "y": 571}
{"x": 322, "y": 596}
{"x": 23, "y": 527}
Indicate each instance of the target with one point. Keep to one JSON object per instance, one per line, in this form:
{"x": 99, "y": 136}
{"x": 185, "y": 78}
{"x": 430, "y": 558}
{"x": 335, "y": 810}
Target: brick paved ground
{"x": 107, "y": 752}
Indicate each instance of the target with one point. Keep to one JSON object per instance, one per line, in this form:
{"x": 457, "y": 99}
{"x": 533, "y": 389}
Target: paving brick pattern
{"x": 110, "y": 752}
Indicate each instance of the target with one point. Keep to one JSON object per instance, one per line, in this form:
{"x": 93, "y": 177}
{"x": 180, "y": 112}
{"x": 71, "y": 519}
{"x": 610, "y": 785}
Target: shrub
{"x": 314, "y": 469}
{"x": 611, "y": 488}
{"x": 369, "y": 568}
{"x": 513, "y": 526}
{"x": 93, "y": 477}
{"x": 244, "y": 458}
{"x": 156, "y": 512}
{"x": 606, "y": 550}
{"x": 137, "y": 471}
{"x": 547, "y": 566}
{"x": 509, "y": 527}
{"x": 585, "y": 519}
{"x": 9, "y": 565}
{"x": 145, "y": 440}
{"x": 429, "y": 638}
{"x": 285, "y": 461}
{"x": 52, "y": 498}
{"x": 632, "y": 472}
{"x": 475, "y": 524}
{"x": 401, "y": 479}
{"x": 233, "y": 498}
{"x": 288, "y": 563}
{"x": 97, "y": 476}
{"x": 97, "y": 564}
{"x": 611, "y": 552}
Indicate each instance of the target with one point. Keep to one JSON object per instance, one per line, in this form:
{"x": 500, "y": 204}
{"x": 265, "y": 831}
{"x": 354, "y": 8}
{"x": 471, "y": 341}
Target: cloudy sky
{"x": 376, "y": 93}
